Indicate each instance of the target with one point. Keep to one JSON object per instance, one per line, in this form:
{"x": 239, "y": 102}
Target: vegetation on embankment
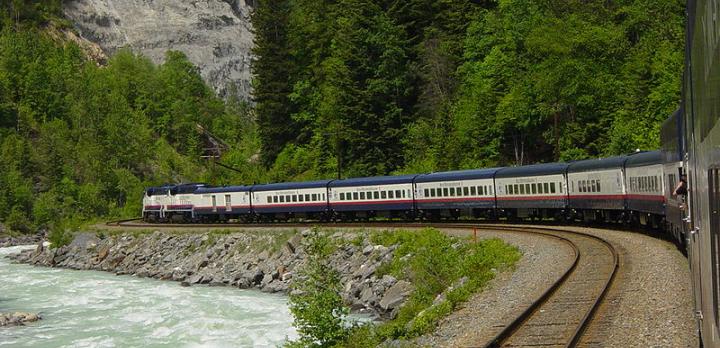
{"x": 443, "y": 271}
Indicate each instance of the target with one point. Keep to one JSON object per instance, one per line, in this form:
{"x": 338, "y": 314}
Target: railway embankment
{"x": 248, "y": 260}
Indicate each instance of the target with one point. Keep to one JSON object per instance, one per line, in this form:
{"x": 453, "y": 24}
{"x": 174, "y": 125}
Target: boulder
{"x": 17, "y": 318}
{"x": 396, "y": 295}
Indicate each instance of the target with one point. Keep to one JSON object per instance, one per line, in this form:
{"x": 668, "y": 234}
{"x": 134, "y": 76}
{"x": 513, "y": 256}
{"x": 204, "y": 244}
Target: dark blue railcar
{"x": 644, "y": 183}
{"x": 284, "y": 200}
{"x": 390, "y": 196}
{"x": 463, "y": 192}
{"x": 534, "y": 191}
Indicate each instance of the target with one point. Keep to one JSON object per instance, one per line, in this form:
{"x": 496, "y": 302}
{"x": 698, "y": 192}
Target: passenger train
{"x": 643, "y": 188}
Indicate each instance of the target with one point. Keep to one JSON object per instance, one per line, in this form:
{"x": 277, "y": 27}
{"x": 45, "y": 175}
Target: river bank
{"x": 261, "y": 260}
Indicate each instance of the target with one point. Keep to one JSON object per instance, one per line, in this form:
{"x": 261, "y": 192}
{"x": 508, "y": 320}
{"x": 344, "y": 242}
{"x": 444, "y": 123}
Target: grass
{"x": 433, "y": 262}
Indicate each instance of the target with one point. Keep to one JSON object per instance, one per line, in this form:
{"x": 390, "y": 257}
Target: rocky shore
{"x": 6, "y": 241}
{"x": 263, "y": 260}
{"x": 17, "y": 318}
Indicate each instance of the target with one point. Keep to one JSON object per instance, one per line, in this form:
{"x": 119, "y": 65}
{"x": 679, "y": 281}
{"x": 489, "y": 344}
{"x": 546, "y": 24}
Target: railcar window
{"x": 300, "y": 198}
{"x": 275, "y": 199}
{"x": 427, "y": 193}
{"x": 307, "y": 197}
{"x": 282, "y": 199}
{"x": 459, "y": 191}
{"x": 342, "y": 196}
{"x": 398, "y": 194}
{"x": 362, "y": 195}
{"x": 323, "y": 197}
{"x": 552, "y": 187}
{"x": 473, "y": 191}
{"x": 452, "y": 192}
{"x": 522, "y": 189}
{"x": 314, "y": 197}
{"x": 534, "y": 188}
{"x": 408, "y": 193}
{"x": 269, "y": 199}
{"x": 714, "y": 224}
{"x": 445, "y": 192}
{"x": 560, "y": 185}
{"x": 383, "y": 194}
{"x": 391, "y": 193}
{"x": 466, "y": 191}
{"x": 376, "y": 194}
{"x": 597, "y": 185}
{"x": 294, "y": 197}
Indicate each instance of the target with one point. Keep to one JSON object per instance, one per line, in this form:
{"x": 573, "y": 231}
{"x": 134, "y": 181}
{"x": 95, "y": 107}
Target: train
{"x": 675, "y": 189}
{"x": 629, "y": 189}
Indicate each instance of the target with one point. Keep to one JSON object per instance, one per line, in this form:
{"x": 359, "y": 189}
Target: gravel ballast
{"x": 649, "y": 305}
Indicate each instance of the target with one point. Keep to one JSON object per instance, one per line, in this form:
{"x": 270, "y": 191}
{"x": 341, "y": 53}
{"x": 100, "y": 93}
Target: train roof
{"x": 290, "y": 185}
{"x": 640, "y": 159}
{"x": 186, "y": 188}
{"x": 615, "y": 162}
{"x": 468, "y": 174}
{"x": 156, "y": 190}
{"x": 221, "y": 189}
{"x": 532, "y": 170}
{"x": 375, "y": 180}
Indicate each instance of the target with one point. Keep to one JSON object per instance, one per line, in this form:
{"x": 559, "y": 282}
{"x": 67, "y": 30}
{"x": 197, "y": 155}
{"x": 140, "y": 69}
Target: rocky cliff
{"x": 216, "y": 35}
{"x": 264, "y": 261}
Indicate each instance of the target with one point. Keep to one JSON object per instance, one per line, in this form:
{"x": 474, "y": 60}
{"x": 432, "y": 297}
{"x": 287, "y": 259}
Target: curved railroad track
{"x": 558, "y": 318}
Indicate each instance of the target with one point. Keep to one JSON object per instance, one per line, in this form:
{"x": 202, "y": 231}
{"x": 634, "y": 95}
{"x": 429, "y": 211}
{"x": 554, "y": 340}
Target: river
{"x": 99, "y": 309}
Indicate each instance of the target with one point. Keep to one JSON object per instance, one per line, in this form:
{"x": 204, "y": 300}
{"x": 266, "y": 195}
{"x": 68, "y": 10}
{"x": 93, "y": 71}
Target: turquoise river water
{"x": 99, "y": 309}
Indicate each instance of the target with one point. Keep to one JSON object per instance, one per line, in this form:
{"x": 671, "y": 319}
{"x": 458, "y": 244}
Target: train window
{"x": 459, "y": 191}
{"x": 300, "y": 198}
{"x": 307, "y": 197}
{"x": 383, "y": 194}
{"x": 426, "y": 191}
{"x": 391, "y": 193}
{"x": 269, "y": 199}
{"x": 362, "y": 195}
{"x": 403, "y": 193}
{"x": 376, "y": 194}
{"x": 534, "y": 188}
{"x": 314, "y": 197}
{"x": 473, "y": 191}
{"x": 287, "y": 198}
{"x": 552, "y": 187}
{"x": 445, "y": 192}
{"x": 714, "y": 225}
{"x": 294, "y": 197}
{"x": 275, "y": 199}
{"x": 282, "y": 199}
{"x": 466, "y": 191}
{"x": 597, "y": 186}
{"x": 323, "y": 197}
{"x": 522, "y": 189}
{"x": 560, "y": 185}
{"x": 452, "y": 192}
{"x": 398, "y": 194}
{"x": 527, "y": 188}
{"x": 342, "y": 196}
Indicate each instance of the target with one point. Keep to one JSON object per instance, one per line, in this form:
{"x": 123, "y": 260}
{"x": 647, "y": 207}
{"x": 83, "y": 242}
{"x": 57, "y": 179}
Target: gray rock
{"x": 195, "y": 279}
{"x": 367, "y": 250}
{"x": 216, "y": 35}
{"x": 396, "y": 295}
{"x": 17, "y": 318}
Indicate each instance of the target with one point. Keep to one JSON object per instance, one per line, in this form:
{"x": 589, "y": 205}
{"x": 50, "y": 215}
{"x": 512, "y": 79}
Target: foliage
{"x": 315, "y": 300}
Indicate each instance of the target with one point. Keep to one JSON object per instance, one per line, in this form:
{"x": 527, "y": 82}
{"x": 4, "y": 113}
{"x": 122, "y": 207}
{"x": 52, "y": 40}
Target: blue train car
{"x": 363, "y": 198}
{"x": 596, "y": 190}
{"x": 645, "y": 187}
{"x": 535, "y": 191}
{"x": 283, "y": 201}
{"x": 456, "y": 193}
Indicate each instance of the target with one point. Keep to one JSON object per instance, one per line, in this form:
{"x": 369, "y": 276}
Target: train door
{"x": 228, "y": 203}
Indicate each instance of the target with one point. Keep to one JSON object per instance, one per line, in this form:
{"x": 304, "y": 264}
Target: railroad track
{"x": 562, "y": 314}
{"x": 558, "y": 318}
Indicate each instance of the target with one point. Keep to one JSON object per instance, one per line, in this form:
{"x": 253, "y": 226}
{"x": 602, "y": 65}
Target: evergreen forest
{"x": 342, "y": 88}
